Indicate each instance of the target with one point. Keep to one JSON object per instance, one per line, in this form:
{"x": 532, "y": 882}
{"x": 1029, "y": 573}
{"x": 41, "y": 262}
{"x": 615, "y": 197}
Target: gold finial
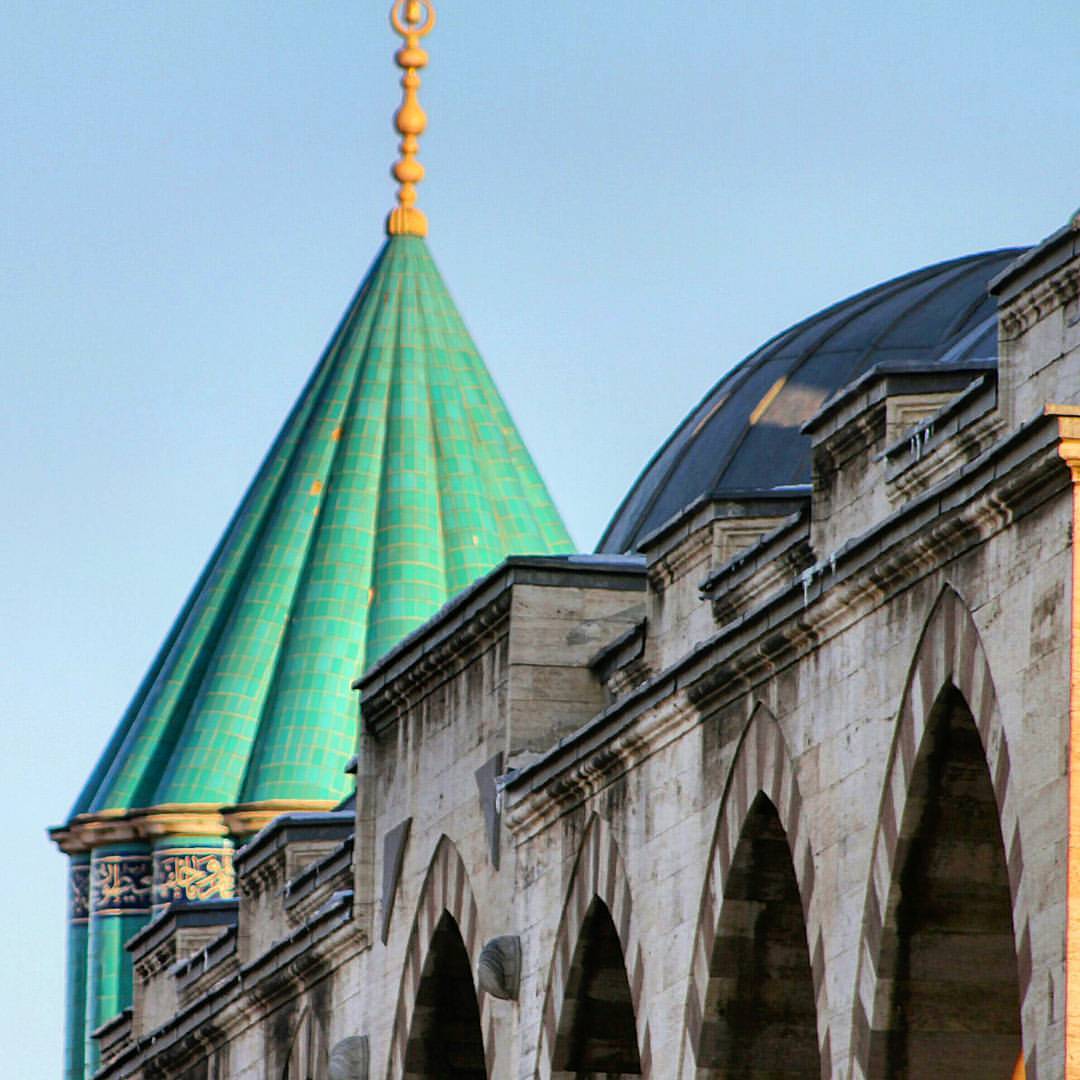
{"x": 413, "y": 20}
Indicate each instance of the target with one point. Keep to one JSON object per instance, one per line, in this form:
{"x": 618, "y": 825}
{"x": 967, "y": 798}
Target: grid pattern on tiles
{"x": 397, "y": 479}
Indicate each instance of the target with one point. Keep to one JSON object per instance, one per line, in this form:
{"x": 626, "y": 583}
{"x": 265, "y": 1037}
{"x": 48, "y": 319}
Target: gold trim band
{"x": 89, "y": 831}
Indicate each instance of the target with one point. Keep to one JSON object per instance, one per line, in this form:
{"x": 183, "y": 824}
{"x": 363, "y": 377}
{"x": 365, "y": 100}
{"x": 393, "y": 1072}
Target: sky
{"x": 624, "y": 200}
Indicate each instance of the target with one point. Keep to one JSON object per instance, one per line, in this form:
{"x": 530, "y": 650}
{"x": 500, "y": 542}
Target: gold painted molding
{"x": 89, "y": 831}
{"x": 248, "y": 818}
{"x": 178, "y": 820}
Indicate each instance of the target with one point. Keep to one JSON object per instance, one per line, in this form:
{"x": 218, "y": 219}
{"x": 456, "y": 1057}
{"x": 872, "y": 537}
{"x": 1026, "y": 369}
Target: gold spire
{"x": 413, "y": 20}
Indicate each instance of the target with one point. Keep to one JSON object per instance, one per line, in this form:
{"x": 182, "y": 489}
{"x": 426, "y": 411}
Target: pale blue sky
{"x": 625, "y": 198}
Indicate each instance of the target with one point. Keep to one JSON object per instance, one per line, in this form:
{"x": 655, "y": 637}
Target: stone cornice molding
{"x": 156, "y": 960}
{"x": 471, "y": 623}
{"x": 324, "y": 828}
{"x": 238, "y": 999}
{"x": 1007, "y": 481}
{"x": 441, "y": 664}
{"x": 678, "y": 560}
{"x": 305, "y": 893}
{"x": 267, "y": 877}
{"x": 761, "y": 570}
{"x": 855, "y": 437}
{"x": 1068, "y": 421}
{"x": 957, "y": 433}
{"x": 1034, "y": 304}
{"x": 601, "y": 754}
{"x": 247, "y": 819}
{"x": 621, "y": 664}
{"x": 914, "y": 541}
{"x": 208, "y": 967}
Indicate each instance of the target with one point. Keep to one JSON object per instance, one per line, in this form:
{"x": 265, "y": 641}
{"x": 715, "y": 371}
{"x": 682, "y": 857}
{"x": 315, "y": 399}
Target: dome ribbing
{"x": 397, "y": 479}
{"x": 745, "y": 433}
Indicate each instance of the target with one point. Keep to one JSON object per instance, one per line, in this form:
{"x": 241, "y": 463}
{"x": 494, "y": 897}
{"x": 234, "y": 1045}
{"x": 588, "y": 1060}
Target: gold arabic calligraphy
{"x": 120, "y": 884}
{"x": 194, "y": 876}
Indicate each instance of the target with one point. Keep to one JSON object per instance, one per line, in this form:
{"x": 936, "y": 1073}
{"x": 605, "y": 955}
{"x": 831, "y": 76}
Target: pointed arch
{"x": 599, "y": 875}
{"x": 309, "y": 1052}
{"x": 446, "y": 1039}
{"x": 446, "y": 898}
{"x": 761, "y": 801}
{"x": 597, "y": 1033}
{"x": 949, "y": 666}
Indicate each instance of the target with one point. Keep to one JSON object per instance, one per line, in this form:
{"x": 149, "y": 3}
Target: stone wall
{"x": 746, "y": 800}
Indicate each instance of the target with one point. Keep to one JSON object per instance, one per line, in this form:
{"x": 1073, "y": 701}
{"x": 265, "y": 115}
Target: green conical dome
{"x": 397, "y": 479}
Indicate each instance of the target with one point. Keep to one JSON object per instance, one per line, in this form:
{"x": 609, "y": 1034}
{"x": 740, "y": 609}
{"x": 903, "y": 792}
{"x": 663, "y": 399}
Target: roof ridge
{"x": 275, "y": 719}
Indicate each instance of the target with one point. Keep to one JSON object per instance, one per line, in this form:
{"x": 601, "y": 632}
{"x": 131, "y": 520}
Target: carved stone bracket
{"x": 350, "y": 1059}
{"x": 498, "y": 972}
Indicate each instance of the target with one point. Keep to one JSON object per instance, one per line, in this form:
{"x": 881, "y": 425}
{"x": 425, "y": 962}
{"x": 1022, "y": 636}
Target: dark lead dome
{"x": 745, "y": 434}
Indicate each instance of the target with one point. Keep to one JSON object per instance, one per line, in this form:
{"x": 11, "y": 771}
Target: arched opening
{"x": 948, "y": 985}
{"x": 597, "y": 1033}
{"x": 308, "y": 1052}
{"x": 760, "y": 1018}
{"x": 446, "y": 1039}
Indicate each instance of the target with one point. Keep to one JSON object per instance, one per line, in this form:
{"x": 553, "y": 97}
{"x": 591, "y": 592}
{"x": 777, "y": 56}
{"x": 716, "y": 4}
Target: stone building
{"x": 777, "y": 783}
{"x": 396, "y": 480}
{"x": 787, "y": 793}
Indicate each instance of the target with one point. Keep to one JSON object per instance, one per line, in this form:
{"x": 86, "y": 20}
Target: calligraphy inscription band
{"x": 187, "y": 875}
{"x": 79, "y": 897}
{"x": 120, "y": 885}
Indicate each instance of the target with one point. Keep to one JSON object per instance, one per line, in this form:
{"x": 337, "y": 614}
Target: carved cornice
{"x": 621, "y": 664}
{"x": 268, "y": 876}
{"x": 238, "y": 997}
{"x": 853, "y": 438}
{"x": 984, "y": 497}
{"x": 205, "y": 968}
{"x": 173, "y": 819}
{"x": 601, "y": 756}
{"x": 766, "y": 567}
{"x": 956, "y": 434}
{"x": 474, "y": 622}
{"x": 114, "y": 1037}
{"x": 308, "y": 890}
{"x": 445, "y": 660}
{"x": 1068, "y": 421}
{"x": 89, "y": 831}
{"x": 156, "y": 961}
{"x": 838, "y": 593}
{"x": 1042, "y": 299}
{"x": 678, "y": 561}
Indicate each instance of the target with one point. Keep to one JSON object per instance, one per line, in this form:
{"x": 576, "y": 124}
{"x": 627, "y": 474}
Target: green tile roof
{"x": 397, "y": 479}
